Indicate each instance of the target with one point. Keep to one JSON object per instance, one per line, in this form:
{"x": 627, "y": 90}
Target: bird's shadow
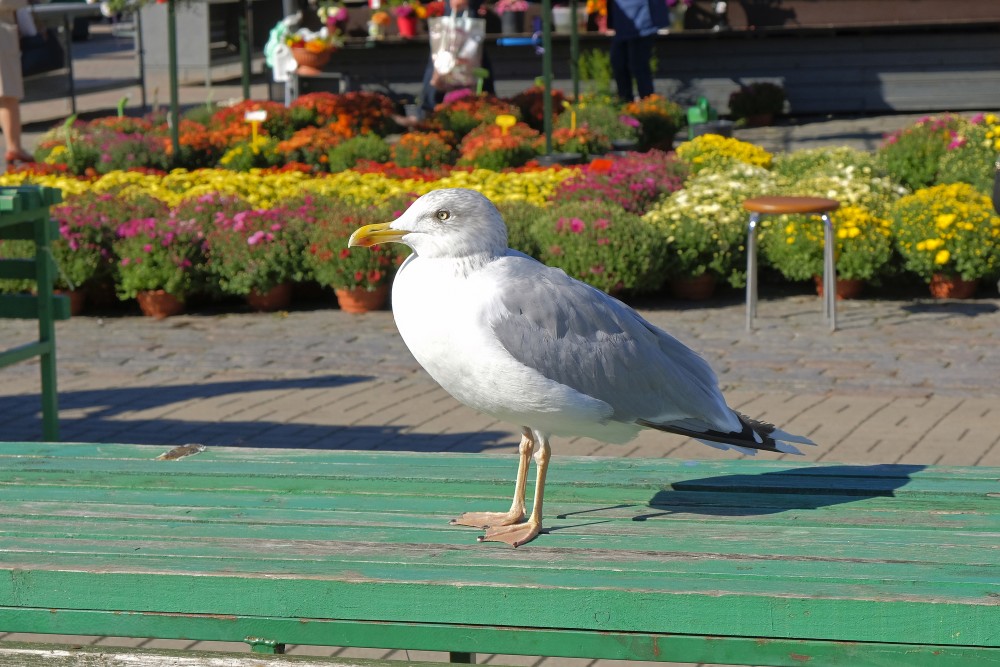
{"x": 795, "y": 488}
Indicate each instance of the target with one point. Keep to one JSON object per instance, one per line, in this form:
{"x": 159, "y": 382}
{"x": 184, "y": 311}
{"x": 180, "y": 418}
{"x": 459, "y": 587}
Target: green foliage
{"x": 122, "y": 151}
{"x": 348, "y": 153}
{"x": 520, "y": 216}
{"x": 950, "y": 229}
{"x": 912, "y": 156}
{"x": 16, "y": 249}
{"x": 659, "y": 120}
{"x": 201, "y": 114}
{"x": 600, "y": 115}
{"x": 603, "y": 245}
{"x": 970, "y": 158}
{"x": 88, "y": 224}
{"x": 256, "y": 250}
{"x": 252, "y": 154}
{"x": 423, "y": 150}
{"x": 595, "y": 71}
{"x": 827, "y": 161}
{"x": 489, "y": 147}
{"x": 705, "y": 222}
{"x": 794, "y": 245}
{"x": 160, "y": 253}
{"x": 328, "y": 259}
{"x": 463, "y": 113}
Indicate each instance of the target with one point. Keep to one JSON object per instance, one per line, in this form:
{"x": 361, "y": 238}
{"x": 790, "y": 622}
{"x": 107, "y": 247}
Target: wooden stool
{"x": 804, "y": 205}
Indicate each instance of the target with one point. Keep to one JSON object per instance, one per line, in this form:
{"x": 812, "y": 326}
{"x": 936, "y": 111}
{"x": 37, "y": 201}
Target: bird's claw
{"x": 515, "y": 536}
{"x": 486, "y": 520}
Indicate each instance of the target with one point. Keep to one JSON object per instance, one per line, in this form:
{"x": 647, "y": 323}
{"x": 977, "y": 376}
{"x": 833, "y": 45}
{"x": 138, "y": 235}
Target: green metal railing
{"x": 24, "y": 215}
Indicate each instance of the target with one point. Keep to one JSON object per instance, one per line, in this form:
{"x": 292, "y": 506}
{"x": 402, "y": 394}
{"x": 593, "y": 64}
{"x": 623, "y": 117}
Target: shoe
{"x": 18, "y": 157}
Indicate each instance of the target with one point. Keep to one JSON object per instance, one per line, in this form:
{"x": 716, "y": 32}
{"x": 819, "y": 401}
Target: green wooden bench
{"x": 24, "y": 215}
{"x": 734, "y": 562}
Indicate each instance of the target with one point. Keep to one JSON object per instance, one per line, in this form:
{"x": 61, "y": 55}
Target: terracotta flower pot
{"x": 77, "y": 300}
{"x": 159, "y": 304}
{"x": 310, "y": 62}
{"x": 698, "y": 288}
{"x": 943, "y": 286}
{"x": 847, "y": 288}
{"x": 760, "y": 120}
{"x": 278, "y": 297}
{"x": 360, "y": 300}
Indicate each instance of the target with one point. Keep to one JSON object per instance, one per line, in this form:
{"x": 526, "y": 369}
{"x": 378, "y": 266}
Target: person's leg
{"x": 620, "y": 68}
{"x": 640, "y": 53}
{"x": 10, "y": 125}
{"x": 428, "y": 94}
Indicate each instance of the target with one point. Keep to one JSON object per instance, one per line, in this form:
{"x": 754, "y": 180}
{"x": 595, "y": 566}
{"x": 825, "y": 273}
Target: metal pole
{"x": 141, "y": 52}
{"x": 243, "y": 28}
{"x": 175, "y": 112}
{"x": 830, "y": 271}
{"x": 547, "y": 72}
{"x": 574, "y": 50}
{"x": 752, "y": 270}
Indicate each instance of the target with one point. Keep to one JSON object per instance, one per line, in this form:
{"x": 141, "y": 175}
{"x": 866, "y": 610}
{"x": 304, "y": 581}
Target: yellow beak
{"x": 370, "y": 235}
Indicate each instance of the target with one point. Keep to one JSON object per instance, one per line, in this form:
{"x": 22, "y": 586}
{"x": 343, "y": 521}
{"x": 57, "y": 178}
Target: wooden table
{"x": 743, "y": 562}
{"x": 62, "y": 14}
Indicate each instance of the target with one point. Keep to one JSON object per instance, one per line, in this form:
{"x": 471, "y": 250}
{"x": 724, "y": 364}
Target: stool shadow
{"x": 948, "y": 307}
{"x": 799, "y": 488}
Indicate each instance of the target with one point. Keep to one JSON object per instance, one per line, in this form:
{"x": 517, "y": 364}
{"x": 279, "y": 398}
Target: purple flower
{"x": 576, "y": 225}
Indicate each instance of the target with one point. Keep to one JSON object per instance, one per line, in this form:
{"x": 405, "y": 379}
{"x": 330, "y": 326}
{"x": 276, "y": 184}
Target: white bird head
{"x": 452, "y": 222}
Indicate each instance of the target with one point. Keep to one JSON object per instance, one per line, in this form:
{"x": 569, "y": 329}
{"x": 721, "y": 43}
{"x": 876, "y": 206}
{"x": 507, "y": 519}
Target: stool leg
{"x": 829, "y": 273}
{"x": 752, "y": 270}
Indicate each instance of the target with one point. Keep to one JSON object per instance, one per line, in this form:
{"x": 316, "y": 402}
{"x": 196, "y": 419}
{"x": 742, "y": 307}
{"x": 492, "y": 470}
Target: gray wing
{"x": 580, "y": 337}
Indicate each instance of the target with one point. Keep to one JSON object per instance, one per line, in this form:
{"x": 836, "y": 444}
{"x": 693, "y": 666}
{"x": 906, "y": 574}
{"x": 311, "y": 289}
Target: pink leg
{"x": 522, "y": 533}
{"x": 516, "y": 512}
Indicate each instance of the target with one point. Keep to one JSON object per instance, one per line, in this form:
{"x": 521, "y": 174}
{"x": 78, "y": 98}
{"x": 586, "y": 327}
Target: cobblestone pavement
{"x": 901, "y": 380}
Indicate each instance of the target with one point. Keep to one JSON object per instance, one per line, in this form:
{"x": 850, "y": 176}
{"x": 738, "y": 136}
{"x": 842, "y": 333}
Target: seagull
{"x": 525, "y": 343}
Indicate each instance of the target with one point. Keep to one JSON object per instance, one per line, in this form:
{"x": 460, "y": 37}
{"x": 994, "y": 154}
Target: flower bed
{"x": 280, "y": 208}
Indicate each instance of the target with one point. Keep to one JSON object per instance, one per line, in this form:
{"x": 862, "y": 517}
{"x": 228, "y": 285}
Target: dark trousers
{"x": 630, "y": 60}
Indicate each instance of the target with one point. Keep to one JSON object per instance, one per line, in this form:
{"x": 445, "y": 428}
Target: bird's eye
{"x": 443, "y": 215}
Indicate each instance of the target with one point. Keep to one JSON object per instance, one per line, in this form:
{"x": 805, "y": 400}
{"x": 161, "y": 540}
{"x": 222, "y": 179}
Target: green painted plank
{"x": 956, "y": 513}
{"x": 23, "y": 352}
{"x": 17, "y": 269}
{"x": 190, "y": 473}
{"x": 672, "y": 509}
{"x": 519, "y": 641}
{"x": 390, "y": 558}
{"x": 790, "y": 614}
{"x": 26, "y": 307}
{"x": 820, "y": 546}
{"x": 323, "y": 562}
{"x": 594, "y": 567}
{"x": 19, "y": 230}
{"x": 502, "y": 465}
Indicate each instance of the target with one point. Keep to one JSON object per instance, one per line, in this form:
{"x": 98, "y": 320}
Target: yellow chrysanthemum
{"x": 945, "y": 220}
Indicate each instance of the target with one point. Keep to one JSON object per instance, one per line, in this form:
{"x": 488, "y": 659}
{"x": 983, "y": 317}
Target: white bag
{"x": 456, "y": 48}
